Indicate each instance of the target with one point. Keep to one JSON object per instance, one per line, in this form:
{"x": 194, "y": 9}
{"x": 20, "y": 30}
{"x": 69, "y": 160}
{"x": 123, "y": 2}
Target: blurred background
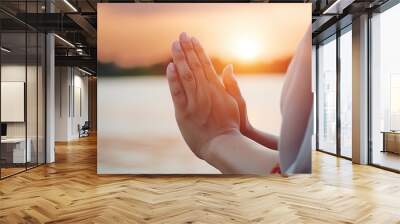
{"x": 137, "y": 131}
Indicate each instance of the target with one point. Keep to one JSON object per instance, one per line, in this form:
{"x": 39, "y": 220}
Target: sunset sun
{"x": 246, "y": 49}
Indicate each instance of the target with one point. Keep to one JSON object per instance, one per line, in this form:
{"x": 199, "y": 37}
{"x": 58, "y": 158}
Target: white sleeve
{"x": 296, "y": 104}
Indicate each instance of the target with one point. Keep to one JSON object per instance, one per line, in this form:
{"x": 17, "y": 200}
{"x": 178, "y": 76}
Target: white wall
{"x": 33, "y": 127}
{"x": 79, "y": 117}
{"x": 70, "y": 83}
{"x": 12, "y": 73}
{"x": 12, "y": 101}
{"x": 62, "y": 82}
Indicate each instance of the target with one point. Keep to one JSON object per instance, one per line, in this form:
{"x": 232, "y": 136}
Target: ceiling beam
{"x": 84, "y": 24}
{"x": 338, "y": 6}
{"x": 79, "y": 61}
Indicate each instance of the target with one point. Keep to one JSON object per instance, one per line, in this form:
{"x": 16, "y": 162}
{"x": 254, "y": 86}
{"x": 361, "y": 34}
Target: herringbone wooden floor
{"x": 70, "y": 191}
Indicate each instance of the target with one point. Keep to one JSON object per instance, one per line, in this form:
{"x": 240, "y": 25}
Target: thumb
{"x": 230, "y": 83}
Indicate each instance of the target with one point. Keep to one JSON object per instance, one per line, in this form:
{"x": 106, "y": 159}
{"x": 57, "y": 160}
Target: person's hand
{"x": 203, "y": 109}
{"x": 233, "y": 89}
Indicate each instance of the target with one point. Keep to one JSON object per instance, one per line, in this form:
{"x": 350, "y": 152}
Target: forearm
{"x": 268, "y": 140}
{"x": 233, "y": 153}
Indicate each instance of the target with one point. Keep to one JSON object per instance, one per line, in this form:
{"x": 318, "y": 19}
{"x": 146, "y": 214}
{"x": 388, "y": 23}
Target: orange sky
{"x": 141, "y": 34}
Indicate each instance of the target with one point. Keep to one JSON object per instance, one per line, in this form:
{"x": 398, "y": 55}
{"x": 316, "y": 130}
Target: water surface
{"x": 138, "y": 134}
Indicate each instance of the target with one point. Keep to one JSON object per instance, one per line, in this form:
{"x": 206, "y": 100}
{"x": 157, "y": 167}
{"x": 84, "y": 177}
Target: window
{"x": 327, "y": 96}
{"x": 394, "y": 102}
{"x": 346, "y": 93}
{"x": 22, "y": 102}
{"x": 385, "y": 89}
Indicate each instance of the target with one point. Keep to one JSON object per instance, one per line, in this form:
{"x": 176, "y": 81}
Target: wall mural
{"x": 204, "y": 88}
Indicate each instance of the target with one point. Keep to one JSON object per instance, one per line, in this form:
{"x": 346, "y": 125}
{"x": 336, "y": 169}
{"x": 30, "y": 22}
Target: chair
{"x": 84, "y": 130}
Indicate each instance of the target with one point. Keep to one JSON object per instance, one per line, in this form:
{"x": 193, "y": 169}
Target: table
{"x": 391, "y": 141}
{"x": 16, "y": 153}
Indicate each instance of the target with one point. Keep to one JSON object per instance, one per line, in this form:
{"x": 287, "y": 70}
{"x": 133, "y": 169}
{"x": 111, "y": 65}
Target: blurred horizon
{"x": 278, "y": 66}
{"x": 137, "y": 37}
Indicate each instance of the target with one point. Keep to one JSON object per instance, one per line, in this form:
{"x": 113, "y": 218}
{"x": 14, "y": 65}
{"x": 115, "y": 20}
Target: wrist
{"x": 209, "y": 149}
{"x": 234, "y": 153}
{"x": 248, "y": 130}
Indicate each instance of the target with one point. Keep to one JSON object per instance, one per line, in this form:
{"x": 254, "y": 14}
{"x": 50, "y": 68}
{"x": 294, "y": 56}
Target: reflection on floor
{"x": 346, "y": 152}
{"x": 10, "y": 171}
{"x": 387, "y": 159}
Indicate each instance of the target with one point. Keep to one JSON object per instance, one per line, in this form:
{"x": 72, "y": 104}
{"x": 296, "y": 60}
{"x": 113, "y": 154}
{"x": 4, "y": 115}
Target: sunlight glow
{"x": 246, "y": 48}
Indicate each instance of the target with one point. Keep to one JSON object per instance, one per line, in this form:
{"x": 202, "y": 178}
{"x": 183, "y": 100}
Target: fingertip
{"x": 228, "y": 72}
{"x": 176, "y": 46}
{"x": 225, "y": 79}
{"x": 183, "y": 36}
{"x": 171, "y": 72}
{"x": 170, "y": 67}
{"x": 230, "y": 80}
{"x": 229, "y": 69}
{"x": 195, "y": 41}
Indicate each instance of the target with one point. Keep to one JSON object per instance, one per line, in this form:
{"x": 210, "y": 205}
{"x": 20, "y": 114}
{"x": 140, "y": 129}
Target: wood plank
{"x": 70, "y": 191}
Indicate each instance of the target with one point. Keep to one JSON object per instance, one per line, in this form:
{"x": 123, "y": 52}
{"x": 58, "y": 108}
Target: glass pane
{"x": 394, "y": 102}
{"x": 346, "y": 94}
{"x": 327, "y": 97}
{"x": 13, "y": 86}
{"x": 314, "y": 76}
{"x": 32, "y": 95}
{"x": 385, "y": 114}
{"x": 41, "y": 98}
